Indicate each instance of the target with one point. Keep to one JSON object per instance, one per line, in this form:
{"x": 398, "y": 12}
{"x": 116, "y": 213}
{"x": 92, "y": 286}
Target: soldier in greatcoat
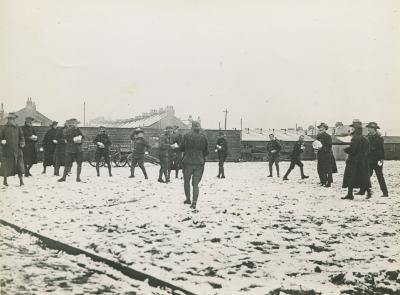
{"x": 195, "y": 150}
{"x": 295, "y": 158}
{"x": 326, "y": 162}
{"x": 356, "y": 173}
{"x": 273, "y": 150}
{"x": 49, "y": 144}
{"x": 103, "y": 143}
{"x": 140, "y": 148}
{"x": 12, "y": 142}
{"x": 60, "y": 152}
{"x": 221, "y": 147}
{"x": 376, "y": 156}
{"x": 30, "y": 149}
{"x": 74, "y": 139}
{"x": 165, "y": 143}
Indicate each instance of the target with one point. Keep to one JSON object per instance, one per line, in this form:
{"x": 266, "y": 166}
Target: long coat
{"x": 326, "y": 160}
{"x": 30, "y": 150}
{"x": 60, "y": 152}
{"x": 49, "y": 147}
{"x": 12, "y": 161}
{"x": 356, "y": 173}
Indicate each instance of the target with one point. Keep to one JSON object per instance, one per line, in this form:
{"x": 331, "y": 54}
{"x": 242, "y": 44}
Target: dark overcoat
{"x": 49, "y": 146}
{"x": 60, "y": 152}
{"x": 12, "y": 161}
{"x": 30, "y": 149}
{"x": 326, "y": 160}
{"x": 356, "y": 173}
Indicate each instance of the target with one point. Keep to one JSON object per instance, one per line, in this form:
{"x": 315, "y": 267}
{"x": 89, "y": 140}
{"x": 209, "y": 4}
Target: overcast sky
{"x": 272, "y": 63}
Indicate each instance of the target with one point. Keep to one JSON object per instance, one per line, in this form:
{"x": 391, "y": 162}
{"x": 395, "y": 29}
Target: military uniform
{"x": 195, "y": 149}
{"x": 49, "y": 144}
{"x": 11, "y": 141}
{"x": 140, "y": 145}
{"x": 376, "y": 157}
{"x": 165, "y": 143}
{"x": 60, "y": 150}
{"x": 102, "y": 151}
{"x": 30, "y": 149}
{"x": 222, "y": 150}
{"x": 175, "y": 155}
{"x": 273, "y": 150}
{"x": 295, "y": 159}
{"x": 326, "y": 162}
{"x": 73, "y": 152}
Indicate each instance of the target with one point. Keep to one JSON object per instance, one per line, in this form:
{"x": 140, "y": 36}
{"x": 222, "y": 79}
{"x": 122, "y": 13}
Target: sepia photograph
{"x": 200, "y": 147}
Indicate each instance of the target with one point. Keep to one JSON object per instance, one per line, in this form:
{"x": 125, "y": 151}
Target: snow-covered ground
{"x": 251, "y": 235}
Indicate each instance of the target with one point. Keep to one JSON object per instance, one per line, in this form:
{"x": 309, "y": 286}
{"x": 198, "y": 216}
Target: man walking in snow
{"x": 295, "y": 158}
{"x": 195, "y": 149}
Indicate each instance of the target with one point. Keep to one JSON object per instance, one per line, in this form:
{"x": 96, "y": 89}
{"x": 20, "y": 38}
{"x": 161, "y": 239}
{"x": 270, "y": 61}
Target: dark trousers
{"x": 324, "y": 175}
{"x": 273, "y": 159}
{"x": 163, "y": 167}
{"x": 293, "y": 164}
{"x": 192, "y": 173}
{"x": 102, "y": 153}
{"x": 379, "y": 174}
{"x": 69, "y": 160}
{"x": 221, "y": 162}
{"x": 139, "y": 161}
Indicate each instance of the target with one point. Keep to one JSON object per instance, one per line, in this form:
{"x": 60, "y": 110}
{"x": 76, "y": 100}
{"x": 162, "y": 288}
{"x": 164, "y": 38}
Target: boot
{"x": 78, "y": 173}
{"x": 176, "y": 173}
{"x": 187, "y": 202}
{"x": 270, "y": 171}
{"x": 349, "y": 195}
{"x": 222, "y": 172}
{"x": 21, "y": 181}
{"x": 369, "y": 194}
{"x": 285, "y": 177}
{"x": 109, "y": 170}
{"x": 144, "y": 173}
{"x": 98, "y": 170}
{"x": 303, "y": 176}
{"x": 44, "y": 170}
{"x": 277, "y": 170}
{"x": 64, "y": 177}
{"x": 5, "y": 183}
{"x": 328, "y": 184}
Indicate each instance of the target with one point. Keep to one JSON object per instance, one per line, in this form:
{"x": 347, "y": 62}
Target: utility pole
{"x": 226, "y": 116}
{"x": 241, "y": 124}
{"x": 219, "y": 125}
{"x": 84, "y": 113}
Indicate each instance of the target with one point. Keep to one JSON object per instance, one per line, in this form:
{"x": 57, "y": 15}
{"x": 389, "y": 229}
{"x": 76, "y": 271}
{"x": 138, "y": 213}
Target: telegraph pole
{"x": 84, "y": 113}
{"x": 226, "y": 116}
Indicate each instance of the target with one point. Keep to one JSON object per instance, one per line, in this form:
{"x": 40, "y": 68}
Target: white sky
{"x": 272, "y": 63}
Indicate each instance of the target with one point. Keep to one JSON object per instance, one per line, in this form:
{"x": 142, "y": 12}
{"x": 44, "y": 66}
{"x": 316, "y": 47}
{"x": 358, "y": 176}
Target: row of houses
{"x": 247, "y": 144}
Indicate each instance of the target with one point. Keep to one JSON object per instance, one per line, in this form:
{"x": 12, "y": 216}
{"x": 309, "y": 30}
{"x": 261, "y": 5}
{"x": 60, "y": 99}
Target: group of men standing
{"x": 365, "y": 155}
{"x": 63, "y": 145}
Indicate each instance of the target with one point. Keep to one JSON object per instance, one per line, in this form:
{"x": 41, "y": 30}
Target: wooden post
{"x": 84, "y": 113}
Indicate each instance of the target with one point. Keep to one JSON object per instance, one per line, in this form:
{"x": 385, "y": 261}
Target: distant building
{"x": 153, "y": 119}
{"x": 28, "y": 111}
